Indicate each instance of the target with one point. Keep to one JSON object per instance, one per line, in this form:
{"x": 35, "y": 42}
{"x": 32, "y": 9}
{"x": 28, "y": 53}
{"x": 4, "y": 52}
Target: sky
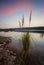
{"x": 12, "y": 11}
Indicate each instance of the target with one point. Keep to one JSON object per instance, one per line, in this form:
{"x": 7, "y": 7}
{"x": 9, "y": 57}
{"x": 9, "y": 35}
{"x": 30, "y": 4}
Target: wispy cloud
{"x": 15, "y": 7}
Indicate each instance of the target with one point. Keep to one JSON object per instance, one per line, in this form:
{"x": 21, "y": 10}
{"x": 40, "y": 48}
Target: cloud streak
{"x": 7, "y": 9}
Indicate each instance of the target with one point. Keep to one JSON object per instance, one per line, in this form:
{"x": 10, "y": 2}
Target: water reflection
{"x": 37, "y": 39}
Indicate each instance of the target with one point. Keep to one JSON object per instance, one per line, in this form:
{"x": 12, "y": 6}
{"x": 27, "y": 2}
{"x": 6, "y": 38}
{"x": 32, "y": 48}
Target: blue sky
{"x": 11, "y": 12}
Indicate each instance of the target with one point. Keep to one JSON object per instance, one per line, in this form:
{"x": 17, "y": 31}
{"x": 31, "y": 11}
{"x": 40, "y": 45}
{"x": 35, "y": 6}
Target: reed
{"x": 26, "y": 42}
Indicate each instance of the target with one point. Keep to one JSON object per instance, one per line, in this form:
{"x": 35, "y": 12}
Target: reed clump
{"x": 26, "y": 41}
{"x": 27, "y": 46}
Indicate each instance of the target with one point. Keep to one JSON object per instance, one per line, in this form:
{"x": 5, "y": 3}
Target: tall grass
{"x": 26, "y": 42}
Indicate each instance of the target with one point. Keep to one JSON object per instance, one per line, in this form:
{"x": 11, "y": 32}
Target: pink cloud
{"x": 11, "y": 9}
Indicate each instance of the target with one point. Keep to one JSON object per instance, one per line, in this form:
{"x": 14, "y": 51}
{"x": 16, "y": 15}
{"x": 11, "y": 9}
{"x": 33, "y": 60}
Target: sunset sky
{"x": 11, "y": 12}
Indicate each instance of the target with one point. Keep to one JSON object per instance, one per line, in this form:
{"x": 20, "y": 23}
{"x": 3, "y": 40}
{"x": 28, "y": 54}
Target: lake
{"x": 36, "y": 39}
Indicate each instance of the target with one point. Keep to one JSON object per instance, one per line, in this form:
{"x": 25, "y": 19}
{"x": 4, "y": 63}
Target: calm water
{"x": 37, "y": 41}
